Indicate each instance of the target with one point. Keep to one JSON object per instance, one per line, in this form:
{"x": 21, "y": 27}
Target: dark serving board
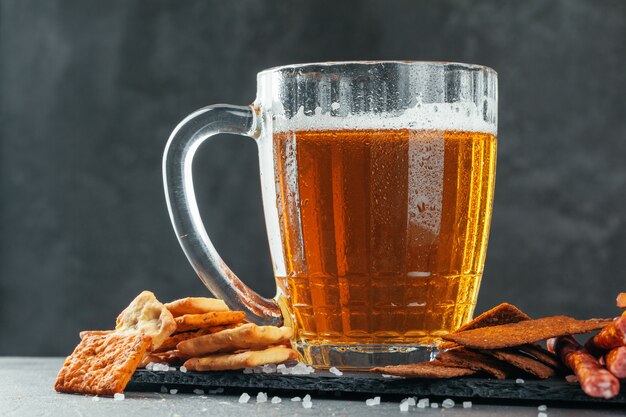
{"x": 551, "y": 390}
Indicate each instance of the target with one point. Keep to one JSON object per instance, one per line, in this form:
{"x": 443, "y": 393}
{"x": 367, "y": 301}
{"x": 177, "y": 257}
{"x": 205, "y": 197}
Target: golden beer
{"x": 384, "y": 232}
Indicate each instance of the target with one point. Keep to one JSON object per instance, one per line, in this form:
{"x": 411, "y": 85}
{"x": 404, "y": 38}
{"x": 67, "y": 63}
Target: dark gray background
{"x": 90, "y": 91}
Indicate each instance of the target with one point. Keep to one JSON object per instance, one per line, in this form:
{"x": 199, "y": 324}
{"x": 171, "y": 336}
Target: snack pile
{"x": 202, "y": 334}
{"x": 503, "y": 343}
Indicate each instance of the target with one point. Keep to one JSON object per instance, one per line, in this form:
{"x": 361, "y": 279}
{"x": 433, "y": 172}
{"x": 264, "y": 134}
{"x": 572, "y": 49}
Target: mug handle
{"x": 183, "y": 208}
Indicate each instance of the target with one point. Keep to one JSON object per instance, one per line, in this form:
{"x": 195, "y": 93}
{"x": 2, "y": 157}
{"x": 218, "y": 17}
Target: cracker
{"x": 523, "y": 332}
{"x": 195, "y": 305}
{"x": 248, "y": 336}
{"x": 433, "y": 369}
{"x": 476, "y": 361}
{"x": 171, "y": 357}
{"x": 202, "y": 321}
{"x": 501, "y": 314}
{"x": 171, "y": 342}
{"x": 523, "y": 362}
{"x": 102, "y": 364}
{"x": 247, "y": 359}
{"x": 541, "y": 354}
{"x": 146, "y": 315}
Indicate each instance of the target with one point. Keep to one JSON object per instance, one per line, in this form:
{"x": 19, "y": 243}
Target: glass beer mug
{"x": 377, "y": 182}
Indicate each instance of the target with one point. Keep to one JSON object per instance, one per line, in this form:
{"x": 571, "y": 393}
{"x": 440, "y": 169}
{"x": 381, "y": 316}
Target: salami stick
{"x": 612, "y": 336}
{"x": 595, "y": 381}
{"x": 616, "y": 362}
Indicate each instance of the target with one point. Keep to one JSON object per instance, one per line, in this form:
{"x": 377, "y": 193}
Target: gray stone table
{"x": 26, "y": 389}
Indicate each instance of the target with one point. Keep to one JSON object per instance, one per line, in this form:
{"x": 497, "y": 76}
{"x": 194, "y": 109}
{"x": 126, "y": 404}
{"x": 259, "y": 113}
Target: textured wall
{"x": 90, "y": 91}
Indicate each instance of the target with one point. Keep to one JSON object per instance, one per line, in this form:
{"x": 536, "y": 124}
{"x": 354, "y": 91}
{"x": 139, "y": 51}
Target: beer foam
{"x": 423, "y": 116}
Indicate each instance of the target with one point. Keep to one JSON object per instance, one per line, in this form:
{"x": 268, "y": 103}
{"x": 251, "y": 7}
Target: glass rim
{"x": 329, "y": 64}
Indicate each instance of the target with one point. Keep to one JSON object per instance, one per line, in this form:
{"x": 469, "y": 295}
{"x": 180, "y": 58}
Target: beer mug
{"x": 377, "y": 180}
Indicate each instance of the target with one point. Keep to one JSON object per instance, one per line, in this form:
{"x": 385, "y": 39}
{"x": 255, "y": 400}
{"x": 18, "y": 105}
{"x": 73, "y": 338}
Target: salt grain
{"x": 411, "y": 401}
{"x": 269, "y": 368}
{"x": 519, "y": 381}
{"x": 467, "y": 404}
{"x": 542, "y": 407}
{"x": 248, "y": 370}
{"x": 372, "y": 401}
{"x": 173, "y": 391}
{"x": 542, "y": 415}
{"x": 276, "y": 400}
{"x": 118, "y": 397}
{"x": 244, "y": 398}
{"x": 198, "y": 391}
{"x": 296, "y": 399}
{"x": 423, "y": 403}
{"x": 307, "y": 398}
{"x": 434, "y": 405}
{"x": 183, "y": 369}
{"x": 335, "y": 371}
{"x": 404, "y": 406}
{"x": 390, "y": 376}
{"x": 306, "y": 401}
{"x": 261, "y": 397}
{"x": 447, "y": 403}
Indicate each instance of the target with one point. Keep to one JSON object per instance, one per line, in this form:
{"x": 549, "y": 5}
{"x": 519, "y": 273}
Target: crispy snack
{"x": 86, "y": 333}
{"x": 171, "y": 342}
{"x": 612, "y": 336}
{"x": 171, "y": 357}
{"x": 247, "y": 359}
{"x": 202, "y": 321}
{"x": 523, "y": 362}
{"x": 476, "y": 361}
{"x": 523, "y": 332}
{"x": 542, "y": 355}
{"x": 596, "y": 381}
{"x": 504, "y": 313}
{"x": 621, "y": 300}
{"x": 616, "y": 362}
{"x": 195, "y": 305}
{"x": 433, "y": 369}
{"x": 248, "y": 336}
{"x": 501, "y": 314}
{"x": 146, "y": 315}
{"x": 102, "y": 364}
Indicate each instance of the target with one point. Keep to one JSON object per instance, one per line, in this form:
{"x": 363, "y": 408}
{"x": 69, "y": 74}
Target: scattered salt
{"x": 298, "y": 369}
{"x": 269, "y": 368}
{"x": 248, "y": 370}
{"x": 276, "y": 400}
{"x": 296, "y": 399}
{"x": 261, "y": 397}
{"x": 257, "y": 370}
{"x": 118, "y": 397}
{"x": 411, "y": 401}
{"x": 467, "y": 404}
{"x": 390, "y": 376}
{"x": 519, "y": 381}
{"x": 163, "y": 389}
{"x": 542, "y": 407}
{"x": 571, "y": 378}
{"x": 447, "y": 403}
{"x": 542, "y": 415}
{"x": 173, "y": 391}
{"x": 244, "y": 398}
{"x": 306, "y": 401}
{"x": 307, "y": 398}
{"x": 280, "y": 367}
{"x": 149, "y": 366}
{"x": 372, "y": 401}
{"x": 434, "y": 405}
{"x": 404, "y": 406}
{"x": 198, "y": 391}
{"x": 423, "y": 403}
{"x": 335, "y": 371}
{"x": 96, "y": 398}
{"x": 183, "y": 369}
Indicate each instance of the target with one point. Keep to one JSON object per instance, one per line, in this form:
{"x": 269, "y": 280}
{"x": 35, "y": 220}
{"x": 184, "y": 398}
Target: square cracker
{"x": 102, "y": 364}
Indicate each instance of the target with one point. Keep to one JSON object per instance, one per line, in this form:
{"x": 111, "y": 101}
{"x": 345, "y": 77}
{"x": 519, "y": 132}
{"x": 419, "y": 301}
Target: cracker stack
{"x": 201, "y": 333}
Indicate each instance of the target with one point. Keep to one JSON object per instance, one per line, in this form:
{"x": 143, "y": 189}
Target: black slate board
{"x": 551, "y": 390}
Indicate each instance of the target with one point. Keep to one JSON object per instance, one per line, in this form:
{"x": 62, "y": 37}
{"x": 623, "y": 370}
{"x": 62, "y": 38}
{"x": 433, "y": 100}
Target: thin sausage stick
{"x": 594, "y": 380}
{"x": 613, "y": 335}
{"x": 616, "y": 362}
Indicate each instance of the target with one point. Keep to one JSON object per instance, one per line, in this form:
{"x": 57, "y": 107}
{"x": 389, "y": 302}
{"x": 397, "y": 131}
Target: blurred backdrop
{"x": 90, "y": 91}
